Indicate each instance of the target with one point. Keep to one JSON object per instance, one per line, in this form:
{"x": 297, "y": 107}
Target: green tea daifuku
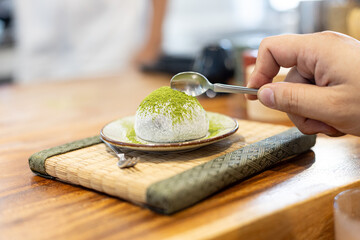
{"x": 167, "y": 115}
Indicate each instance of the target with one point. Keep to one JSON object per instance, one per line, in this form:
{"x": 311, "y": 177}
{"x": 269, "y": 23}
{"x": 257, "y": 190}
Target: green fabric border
{"x": 187, "y": 188}
{"x": 37, "y": 160}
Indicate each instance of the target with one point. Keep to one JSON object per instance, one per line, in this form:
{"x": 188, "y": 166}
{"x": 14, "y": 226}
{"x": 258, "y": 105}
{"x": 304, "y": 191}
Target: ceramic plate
{"x": 121, "y": 133}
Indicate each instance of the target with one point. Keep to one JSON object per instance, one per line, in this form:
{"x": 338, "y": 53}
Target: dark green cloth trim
{"x": 37, "y": 160}
{"x": 185, "y": 189}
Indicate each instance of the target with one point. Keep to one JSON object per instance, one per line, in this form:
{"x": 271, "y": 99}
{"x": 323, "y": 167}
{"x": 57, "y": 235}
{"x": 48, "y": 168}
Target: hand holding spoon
{"x": 195, "y": 84}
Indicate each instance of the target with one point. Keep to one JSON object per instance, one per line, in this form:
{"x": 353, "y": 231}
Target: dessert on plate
{"x": 167, "y": 115}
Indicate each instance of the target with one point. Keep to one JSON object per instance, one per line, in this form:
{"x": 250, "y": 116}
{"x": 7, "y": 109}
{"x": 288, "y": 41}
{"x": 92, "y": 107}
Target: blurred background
{"x": 55, "y": 40}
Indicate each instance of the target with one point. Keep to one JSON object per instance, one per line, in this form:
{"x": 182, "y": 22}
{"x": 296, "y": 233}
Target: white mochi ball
{"x": 167, "y": 115}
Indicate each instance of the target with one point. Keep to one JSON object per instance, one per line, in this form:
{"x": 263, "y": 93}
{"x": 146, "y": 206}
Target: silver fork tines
{"x": 123, "y": 161}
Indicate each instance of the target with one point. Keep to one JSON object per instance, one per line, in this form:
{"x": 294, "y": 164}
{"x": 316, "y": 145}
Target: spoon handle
{"x": 218, "y": 87}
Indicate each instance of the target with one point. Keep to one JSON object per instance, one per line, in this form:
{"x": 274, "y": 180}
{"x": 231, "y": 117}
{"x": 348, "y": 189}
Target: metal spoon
{"x": 195, "y": 84}
{"x": 124, "y": 162}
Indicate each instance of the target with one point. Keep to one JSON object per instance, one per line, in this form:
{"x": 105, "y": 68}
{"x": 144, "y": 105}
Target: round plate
{"x": 121, "y": 133}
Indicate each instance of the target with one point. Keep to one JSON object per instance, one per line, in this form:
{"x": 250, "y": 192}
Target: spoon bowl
{"x": 195, "y": 84}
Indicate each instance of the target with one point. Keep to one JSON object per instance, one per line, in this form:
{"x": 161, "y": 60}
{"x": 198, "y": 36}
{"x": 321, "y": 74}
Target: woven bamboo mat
{"x": 95, "y": 166}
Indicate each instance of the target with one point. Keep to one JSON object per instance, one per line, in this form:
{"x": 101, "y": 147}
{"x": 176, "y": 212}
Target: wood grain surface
{"x": 293, "y": 200}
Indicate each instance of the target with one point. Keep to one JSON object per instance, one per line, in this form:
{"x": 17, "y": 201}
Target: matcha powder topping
{"x": 166, "y": 100}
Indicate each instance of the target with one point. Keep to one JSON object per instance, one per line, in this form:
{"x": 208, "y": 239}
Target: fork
{"x": 123, "y": 161}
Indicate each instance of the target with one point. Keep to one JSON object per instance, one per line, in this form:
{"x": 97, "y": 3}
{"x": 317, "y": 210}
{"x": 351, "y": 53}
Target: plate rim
{"x": 172, "y": 145}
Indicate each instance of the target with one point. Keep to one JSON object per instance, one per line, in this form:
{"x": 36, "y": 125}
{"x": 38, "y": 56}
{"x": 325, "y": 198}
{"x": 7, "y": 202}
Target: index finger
{"x": 275, "y": 52}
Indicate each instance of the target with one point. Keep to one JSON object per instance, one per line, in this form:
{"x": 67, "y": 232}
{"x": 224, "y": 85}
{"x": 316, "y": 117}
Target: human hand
{"x": 149, "y": 54}
{"x": 321, "y": 93}
{"x": 151, "y": 50}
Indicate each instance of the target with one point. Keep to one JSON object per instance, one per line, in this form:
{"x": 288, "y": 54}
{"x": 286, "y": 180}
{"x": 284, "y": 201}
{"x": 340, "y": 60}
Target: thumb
{"x": 296, "y": 98}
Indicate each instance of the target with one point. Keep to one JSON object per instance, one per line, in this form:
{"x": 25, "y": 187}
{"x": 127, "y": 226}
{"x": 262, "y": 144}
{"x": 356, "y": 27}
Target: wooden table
{"x": 290, "y": 201}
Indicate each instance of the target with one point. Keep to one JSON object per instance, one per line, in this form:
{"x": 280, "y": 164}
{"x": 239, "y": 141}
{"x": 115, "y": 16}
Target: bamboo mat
{"x": 95, "y": 166}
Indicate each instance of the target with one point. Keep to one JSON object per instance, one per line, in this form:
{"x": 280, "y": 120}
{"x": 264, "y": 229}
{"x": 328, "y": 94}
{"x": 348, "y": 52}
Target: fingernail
{"x": 266, "y": 96}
